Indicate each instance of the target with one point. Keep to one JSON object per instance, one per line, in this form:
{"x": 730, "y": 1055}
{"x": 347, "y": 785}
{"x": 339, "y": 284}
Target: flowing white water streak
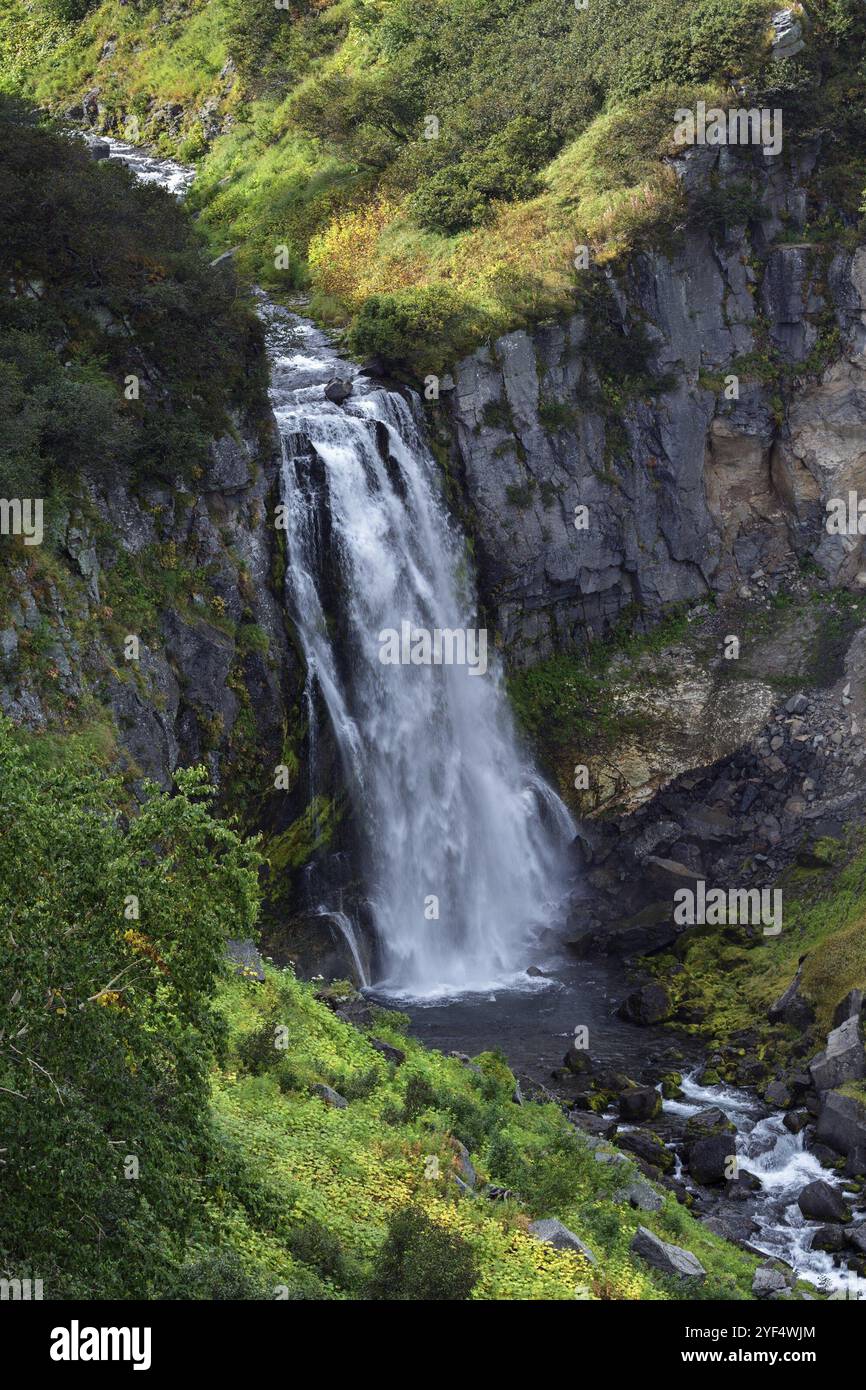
{"x": 784, "y": 1166}
{"x": 450, "y": 811}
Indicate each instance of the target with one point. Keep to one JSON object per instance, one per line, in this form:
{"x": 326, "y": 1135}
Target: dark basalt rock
{"x": 707, "y": 1123}
{"x": 670, "y": 1259}
{"x": 821, "y": 1202}
{"x": 647, "y": 1147}
{"x": 647, "y": 1005}
{"x": 330, "y": 1096}
{"x": 710, "y": 1159}
{"x": 829, "y": 1238}
{"x": 391, "y": 1053}
{"x": 600, "y": 1126}
{"x": 338, "y": 390}
{"x": 639, "y": 1103}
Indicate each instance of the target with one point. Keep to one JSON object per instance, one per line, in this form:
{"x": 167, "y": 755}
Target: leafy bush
{"x": 313, "y": 1244}
{"x": 418, "y": 1096}
{"x": 463, "y": 195}
{"x": 421, "y": 1262}
{"x": 420, "y": 328}
{"x": 258, "y": 1051}
{"x": 218, "y": 1277}
{"x": 106, "y": 1038}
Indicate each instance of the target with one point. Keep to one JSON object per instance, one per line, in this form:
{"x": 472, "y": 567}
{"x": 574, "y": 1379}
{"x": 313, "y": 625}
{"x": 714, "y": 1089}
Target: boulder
{"x": 338, "y": 390}
{"x": 643, "y": 1196}
{"x": 777, "y": 1094}
{"x": 732, "y": 1226}
{"x": 743, "y": 1186}
{"x": 842, "y": 1124}
{"x": 843, "y": 1059}
{"x": 669, "y": 1259}
{"x": 796, "y": 1121}
{"x": 578, "y": 1061}
{"x": 708, "y": 1122}
{"x": 647, "y": 1005}
{"x": 710, "y": 1159}
{"x": 330, "y": 1096}
{"x": 600, "y": 1126}
{"x": 648, "y": 1148}
{"x": 393, "y": 1054}
{"x": 553, "y": 1232}
{"x": 769, "y": 1280}
{"x": 832, "y": 1239}
{"x": 640, "y": 1103}
{"x": 821, "y": 1202}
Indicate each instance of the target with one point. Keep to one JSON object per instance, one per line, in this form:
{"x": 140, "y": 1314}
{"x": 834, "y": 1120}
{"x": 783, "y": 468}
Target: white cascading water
{"x": 453, "y": 818}
{"x": 448, "y": 806}
{"x": 784, "y": 1166}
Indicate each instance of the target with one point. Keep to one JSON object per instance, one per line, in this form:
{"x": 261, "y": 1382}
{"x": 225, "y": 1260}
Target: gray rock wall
{"x": 217, "y": 675}
{"x": 688, "y": 491}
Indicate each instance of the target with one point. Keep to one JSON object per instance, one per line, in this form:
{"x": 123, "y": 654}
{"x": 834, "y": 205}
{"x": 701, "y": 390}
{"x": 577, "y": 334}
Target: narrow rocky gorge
{"x": 635, "y": 499}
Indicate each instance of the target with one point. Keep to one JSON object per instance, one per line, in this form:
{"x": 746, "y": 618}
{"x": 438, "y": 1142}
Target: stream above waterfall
{"x": 447, "y": 804}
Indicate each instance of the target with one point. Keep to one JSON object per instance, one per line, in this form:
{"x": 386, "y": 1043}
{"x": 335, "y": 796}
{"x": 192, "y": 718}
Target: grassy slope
{"x": 824, "y": 920}
{"x": 349, "y": 1169}
{"x": 326, "y": 153}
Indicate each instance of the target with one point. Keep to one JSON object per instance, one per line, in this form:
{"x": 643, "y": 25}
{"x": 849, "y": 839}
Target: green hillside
{"x": 426, "y": 170}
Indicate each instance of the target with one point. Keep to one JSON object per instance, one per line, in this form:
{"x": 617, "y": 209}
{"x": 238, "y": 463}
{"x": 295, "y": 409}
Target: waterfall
{"x": 464, "y": 847}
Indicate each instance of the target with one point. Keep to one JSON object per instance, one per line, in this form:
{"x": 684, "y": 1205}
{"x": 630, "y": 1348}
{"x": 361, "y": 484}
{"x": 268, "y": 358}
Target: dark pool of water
{"x": 534, "y": 1024}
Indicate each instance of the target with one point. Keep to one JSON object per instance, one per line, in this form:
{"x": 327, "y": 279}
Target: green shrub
{"x": 258, "y": 1051}
{"x": 419, "y": 328}
{"x": 421, "y": 1262}
{"x": 220, "y": 1277}
{"x": 313, "y": 1244}
{"x": 418, "y": 1097}
{"x": 463, "y": 195}
{"x": 125, "y": 291}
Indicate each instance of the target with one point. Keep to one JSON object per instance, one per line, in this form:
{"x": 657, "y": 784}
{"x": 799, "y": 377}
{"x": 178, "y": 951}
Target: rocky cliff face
{"x": 186, "y": 571}
{"x": 698, "y": 482}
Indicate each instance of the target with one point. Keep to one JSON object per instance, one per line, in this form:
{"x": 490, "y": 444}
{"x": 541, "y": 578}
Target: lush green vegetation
{"x": 735, "y": 978}
{"x": 118, "y": 344}
{"x": 428, "y": 168}
{"x": 162, "y": 1134}
{"x": 113, "y": 937}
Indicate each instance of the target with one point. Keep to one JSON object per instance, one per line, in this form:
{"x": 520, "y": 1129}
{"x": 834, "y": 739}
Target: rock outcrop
{"x": 705, "y": 470}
